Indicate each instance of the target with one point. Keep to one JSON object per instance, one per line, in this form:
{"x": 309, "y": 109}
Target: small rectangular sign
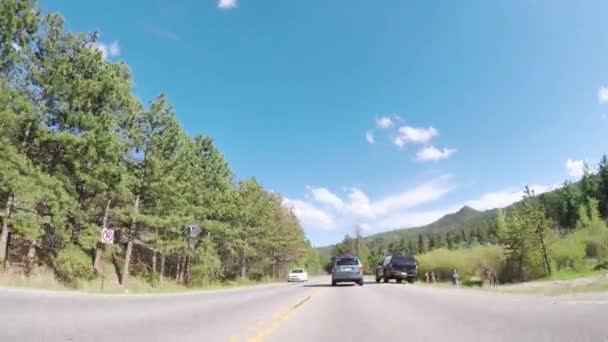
{"x": 107, "y": 235}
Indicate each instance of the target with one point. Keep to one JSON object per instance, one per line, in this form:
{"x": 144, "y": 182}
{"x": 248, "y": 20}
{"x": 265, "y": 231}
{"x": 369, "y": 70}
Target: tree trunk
{"x": 4, "y": 233}
{"x": 186, "y": 270}
{"x": 243, "y": 267}
{"x": 153, "y": 267}
{"x": 190, "y": 269}
{"x": 544, "y": 250}
{"x": 125, "y": 270}
{"x": 124, "y": 278}
{"x": 161, "y": 276}
{"x": 178, "y": 265}
{"x": 274, "y": 268}
{"x": 182, "y": 270}
{"x": 31, "y": 257}
{"x": 98, "y": 255}
{"x": 100, "y": 247}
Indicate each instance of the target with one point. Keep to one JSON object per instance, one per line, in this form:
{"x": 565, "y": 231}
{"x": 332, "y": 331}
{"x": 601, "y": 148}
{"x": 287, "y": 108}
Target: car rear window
{"x": 405, "y": 261}
{"x": 297, "y": 271}
{"x": 347, "y": 262}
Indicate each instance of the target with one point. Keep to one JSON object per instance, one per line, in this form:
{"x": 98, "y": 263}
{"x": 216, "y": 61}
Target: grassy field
{"x": 560, "y": 282}
{"x": 44, "y": 279}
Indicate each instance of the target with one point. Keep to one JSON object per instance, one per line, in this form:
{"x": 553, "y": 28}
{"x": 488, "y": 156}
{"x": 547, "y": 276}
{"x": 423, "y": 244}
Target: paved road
{"x": 313, "y": 311}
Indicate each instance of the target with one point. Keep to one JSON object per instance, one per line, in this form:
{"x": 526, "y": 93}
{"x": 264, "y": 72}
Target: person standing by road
{"x": 455, "y": 277}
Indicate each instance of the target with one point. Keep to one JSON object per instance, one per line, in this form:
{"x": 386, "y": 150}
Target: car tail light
{"x": 360, "y": 269}
{"x": 333, "y": 269}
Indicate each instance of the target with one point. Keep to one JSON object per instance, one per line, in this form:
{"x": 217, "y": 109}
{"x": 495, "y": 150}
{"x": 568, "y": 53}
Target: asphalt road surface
{"x": 314, "y": 311}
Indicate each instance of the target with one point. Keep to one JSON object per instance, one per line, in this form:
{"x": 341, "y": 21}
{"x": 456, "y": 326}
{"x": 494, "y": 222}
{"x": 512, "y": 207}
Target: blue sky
{"x": 466, "y": 101}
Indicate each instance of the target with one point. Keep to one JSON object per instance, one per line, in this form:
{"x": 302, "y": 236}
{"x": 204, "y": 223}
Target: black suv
{"x": 397, "y": 267}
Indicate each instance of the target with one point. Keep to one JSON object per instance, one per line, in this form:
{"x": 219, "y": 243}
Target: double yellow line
{"x": 264, "y": 329}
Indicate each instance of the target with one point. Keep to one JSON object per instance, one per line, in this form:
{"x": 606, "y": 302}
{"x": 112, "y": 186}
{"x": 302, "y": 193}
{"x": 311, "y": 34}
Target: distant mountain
{"x": 465, "y": 219}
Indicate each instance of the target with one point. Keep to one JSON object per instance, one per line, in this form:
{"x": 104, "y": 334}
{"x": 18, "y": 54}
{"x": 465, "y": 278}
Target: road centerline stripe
{"x": 263, "y": 330}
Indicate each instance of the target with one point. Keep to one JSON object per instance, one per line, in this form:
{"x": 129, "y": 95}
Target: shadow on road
{"x": 345, "y": 284}
{"x": 329, "y": 285}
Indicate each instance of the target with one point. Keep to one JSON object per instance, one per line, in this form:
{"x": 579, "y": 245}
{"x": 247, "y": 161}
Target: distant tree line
{"x": 80, "y": 152}
{"x": 563, "y": 229}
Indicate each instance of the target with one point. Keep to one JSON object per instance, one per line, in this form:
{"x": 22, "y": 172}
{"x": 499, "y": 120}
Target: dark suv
{"x": 397, "y": 267}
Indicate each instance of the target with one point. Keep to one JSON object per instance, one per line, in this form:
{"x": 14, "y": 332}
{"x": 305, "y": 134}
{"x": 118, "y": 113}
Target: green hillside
{"x": 467, "y": 220}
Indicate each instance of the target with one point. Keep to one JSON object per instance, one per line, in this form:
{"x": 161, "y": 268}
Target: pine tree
{"x": 402, "y": 246}
{"x": 432, "y": 243}
{"x": 80, "y": 153}
{"x": 523, "y": 232}
{"x": 449, "y": 240}
{"x": 421, "y": 245}
{"x": 411, "y": 248}
{"x": 602, "y": 187}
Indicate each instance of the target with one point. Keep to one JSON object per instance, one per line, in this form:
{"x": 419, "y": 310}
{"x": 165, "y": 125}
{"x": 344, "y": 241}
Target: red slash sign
{"x": 107, "y": 235}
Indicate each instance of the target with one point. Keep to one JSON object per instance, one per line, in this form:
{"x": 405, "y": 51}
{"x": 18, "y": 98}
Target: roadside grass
{"x": 571, "y": 274}
{"x": 44, "y": 279}
{"x": 560, "y": 283}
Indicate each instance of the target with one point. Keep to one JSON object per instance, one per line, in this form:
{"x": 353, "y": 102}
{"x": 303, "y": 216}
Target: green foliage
{"x": 463, "y": 229}
{"x": 468, "y": 262}
{"x": 569, "y": 253}
{"x": 72, "y": 263}
{"x": 602, "y": 186}
{"x": 80, "y": 151}
{"x": 207, "y": 266}
{"x": 524, "y": 231}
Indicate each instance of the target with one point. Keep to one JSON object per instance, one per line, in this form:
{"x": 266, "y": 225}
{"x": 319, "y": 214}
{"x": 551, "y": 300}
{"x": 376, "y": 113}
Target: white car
{"x": 297, "y": 274}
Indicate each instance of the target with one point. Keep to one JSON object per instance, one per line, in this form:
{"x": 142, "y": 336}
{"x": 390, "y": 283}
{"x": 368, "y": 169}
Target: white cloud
{"x": 324, "y": 209}
{"x": 359, "y": 204}
{"x": 384, "y": 122}
{"x": 417, "y": 135}
{"x": 410, "y": 219}
{"x": 324, "y": 196}
{"x": 369, "y": 137}
{"x": 503, "y": 198}
{"x": 227, "y": 4}
{"x": 420, "y": 194}
{"x": 431, "y": 153}
{"x": 113, "y": 49}
{"x": 107, "y": 50}
{"x": 602, "y": 94}
{"x": 575, "y": 168}
{"x": 309, "y": 215}
{"x": 365, "y": 226}
{"x": 398, "y": 141}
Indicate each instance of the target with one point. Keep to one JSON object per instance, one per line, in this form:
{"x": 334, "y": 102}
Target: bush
{"x": 593, "y": 249}
{"x": 568, "y": 253}
{"x": 597, "y": 241}
{"x": 206, "y": 265}
{"x": 468, "y": 262}
{"x": 572, "y": 250}
{"x": 601, "y": 266}
{"x": 73, "y": 264}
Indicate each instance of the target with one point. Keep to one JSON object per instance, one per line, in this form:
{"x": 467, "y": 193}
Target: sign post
{"x": 107, "y": 237}
{"x": 193, "y": 230}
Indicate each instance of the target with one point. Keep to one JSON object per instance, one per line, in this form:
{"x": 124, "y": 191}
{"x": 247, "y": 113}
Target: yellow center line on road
{"x": 264, "y": 329}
